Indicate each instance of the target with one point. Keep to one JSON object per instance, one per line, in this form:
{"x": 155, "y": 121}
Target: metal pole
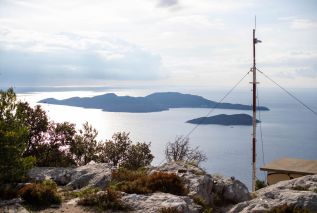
{"x": 254, "y": 117}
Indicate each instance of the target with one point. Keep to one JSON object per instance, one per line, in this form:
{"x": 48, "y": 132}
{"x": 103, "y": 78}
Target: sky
{"x": 156, "y": 42}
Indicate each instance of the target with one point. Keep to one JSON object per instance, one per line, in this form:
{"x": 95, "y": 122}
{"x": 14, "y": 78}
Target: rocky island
{"x": 155, "y": 102}
{"x": 226, "y": 120}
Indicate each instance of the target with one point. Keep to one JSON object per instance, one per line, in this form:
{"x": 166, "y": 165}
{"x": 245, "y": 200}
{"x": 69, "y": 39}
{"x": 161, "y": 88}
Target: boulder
{"x": 152, "y": 203}
{"x": 196, "y": 180}
{"x": 231, "y": 190}
{"x": 90, "y": 175}
{"x": 299, "y": 193}
{"x": 12, "y": 206}
{"x": 207, "y": 187}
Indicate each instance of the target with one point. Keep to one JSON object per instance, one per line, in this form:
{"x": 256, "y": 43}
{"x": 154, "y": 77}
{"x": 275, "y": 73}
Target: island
{"x": 155, "y": 102}
{"x": 223, "y": 119}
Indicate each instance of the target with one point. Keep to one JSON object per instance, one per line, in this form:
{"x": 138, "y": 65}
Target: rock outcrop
{"x": 298, "y": 193}
{"x": 12, "y": 206}
{"x": 154, "y": 202}
{"x": 207, "y": 187}
{"x": 90, "y": 175}
{"x": 201, "y": 186}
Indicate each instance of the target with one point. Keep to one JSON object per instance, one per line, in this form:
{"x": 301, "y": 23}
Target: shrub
{"x": 180, "y": 150}
{"x": 259, "y": 184}
{"x": 109, "y": 199}
{"x": 40, "y": 194}
{"x": 300, "y": 188}
{"x": 169, "y": 210}
{"x": 8, "y": 191}
{"x": 199, "y": 201}
{"x": 123, "y": 174}
{"x": 158, "y": 181}
{"x": 288, "y": 209}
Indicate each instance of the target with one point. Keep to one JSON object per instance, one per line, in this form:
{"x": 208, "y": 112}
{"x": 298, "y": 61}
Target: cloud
{"x": 167, "y": 3}
{"x": 65, "y": 58}
{"x": 303, "y": 24}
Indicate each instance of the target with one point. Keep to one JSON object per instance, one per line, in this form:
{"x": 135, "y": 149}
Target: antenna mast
{"x": 255, "y": 40}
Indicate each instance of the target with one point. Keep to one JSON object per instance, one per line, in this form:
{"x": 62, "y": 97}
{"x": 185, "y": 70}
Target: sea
{"x": 287, "y": 130}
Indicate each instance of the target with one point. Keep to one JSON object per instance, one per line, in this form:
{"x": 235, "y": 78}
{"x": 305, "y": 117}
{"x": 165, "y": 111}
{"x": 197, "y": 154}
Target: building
{"x": 288, "y": 168}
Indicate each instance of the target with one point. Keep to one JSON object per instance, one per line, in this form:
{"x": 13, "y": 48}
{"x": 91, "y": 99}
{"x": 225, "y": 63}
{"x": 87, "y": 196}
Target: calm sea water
{"x": 288, "y": 129}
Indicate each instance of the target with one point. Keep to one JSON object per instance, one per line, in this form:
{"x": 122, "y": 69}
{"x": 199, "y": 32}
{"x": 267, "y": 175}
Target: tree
{"x": 138, "y": 155}
{"x": 115, "y": 151}
{"x": 13, "y": 141}
{"x": 37, "y": 123}
{"x": 180, "y": 150}
{"x": 54, "y": 148}
{"x": 84, "y": 147}
{"x": 121, "y": 152}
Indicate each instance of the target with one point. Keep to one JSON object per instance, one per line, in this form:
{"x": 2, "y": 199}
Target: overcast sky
{"x": 155, "y": 42}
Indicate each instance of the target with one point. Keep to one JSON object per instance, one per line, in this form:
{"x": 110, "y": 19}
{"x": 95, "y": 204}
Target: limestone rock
{"x": 12, "y": 206}
{"x": 298, "y": 192}
{"x": 197, "y": 181}
{"x": 95, "y": 175}
{"x": 152, "y": 203}
{"x": 231, "y": 190}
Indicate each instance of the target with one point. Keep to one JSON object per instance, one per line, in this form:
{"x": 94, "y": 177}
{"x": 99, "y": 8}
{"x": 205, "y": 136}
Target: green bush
{"x": 259, "y": 184}
{"x": 288, "y": 209}
{"x": 158, "y": 181}
{"x": 123, "y": 174}
{"x": 300, "y": 188}
{"x": 40, "y": 194}
{"x": 110, "y": 199}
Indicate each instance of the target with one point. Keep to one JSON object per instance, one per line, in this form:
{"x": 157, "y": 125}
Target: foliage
{"x": 138, "y": 155}
{"x": 180, "y": 150}
{"x": 121, "y": 152}
{"x": 288, "y": 209}
{"x": 301, "y": 188}
{"x": 115, "y": 151}
{"x": 110, "y": 199}
{"x": 80, "y": 193}
{"x": 259, "y": 184}
{"x": 36, "y": 122}
{"x": 157, "y": 181}
{"x": 13, "y": 141}
{"x": 169, "y": 210}
{"x": 84, "y": 147}
{"x": 54, "y": 149}
{"x": 123, "y": 174}
{"x": 40, "y": 194}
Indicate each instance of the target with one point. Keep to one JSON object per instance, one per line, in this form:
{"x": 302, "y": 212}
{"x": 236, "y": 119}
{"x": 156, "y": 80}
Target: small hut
{"x": 288, "y": 168}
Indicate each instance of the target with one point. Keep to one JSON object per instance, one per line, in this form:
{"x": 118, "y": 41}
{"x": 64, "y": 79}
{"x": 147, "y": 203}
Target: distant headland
{"x": 223, "y": 119}
{"x": 155, "y": 102}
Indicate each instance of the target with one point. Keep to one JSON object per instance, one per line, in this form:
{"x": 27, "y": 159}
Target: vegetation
{"x": 157, "y": 181}
{"x": 180, "y": 150}
{"x": 300, "y": 188}
{"x": 84, "y": 147}
{"x": 259, "y": 184}
{"x": 40, "y": 194}
{"x": 109, "y": 199}
{"x": 28, "y": 137}
{"x": 288, "y": 209}
{"x": 121, "y": 152}
{"x": 13, "y": 141}
{"x": 123, "y": 174}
